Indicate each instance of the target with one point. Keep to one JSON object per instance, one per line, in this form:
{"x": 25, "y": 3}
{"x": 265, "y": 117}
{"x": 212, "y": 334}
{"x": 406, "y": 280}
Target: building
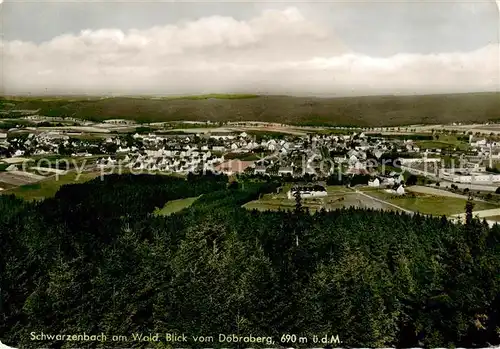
{"x": 282, "y": 171}
{"x": 459, "y": 177}
{"x": 119, "y": 121}
{"x": 374, "y": 183}
{"x": 260, "y": 170}
{"x": 233, "y": 166}
{"x": 400, "y": 190}
{"x": 307, "y": 191}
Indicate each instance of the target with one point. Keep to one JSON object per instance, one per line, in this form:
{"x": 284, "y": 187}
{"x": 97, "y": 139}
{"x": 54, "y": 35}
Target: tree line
{"x": 95, "y": 259}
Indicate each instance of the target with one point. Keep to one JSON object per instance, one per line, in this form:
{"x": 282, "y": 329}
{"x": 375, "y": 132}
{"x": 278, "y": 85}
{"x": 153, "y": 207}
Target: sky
{"x": 322, "y": 48}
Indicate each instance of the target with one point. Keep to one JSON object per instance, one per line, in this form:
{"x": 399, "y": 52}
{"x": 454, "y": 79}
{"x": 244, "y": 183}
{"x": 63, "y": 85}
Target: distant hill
{"x": 345, "y": 111}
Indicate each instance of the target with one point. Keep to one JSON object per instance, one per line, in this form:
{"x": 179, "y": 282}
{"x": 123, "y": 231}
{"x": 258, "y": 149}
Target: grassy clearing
{"x": 49, "y": 187}
{"x": 175, "y": 206}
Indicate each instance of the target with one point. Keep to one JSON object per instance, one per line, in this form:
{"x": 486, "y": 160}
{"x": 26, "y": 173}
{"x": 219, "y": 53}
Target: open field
{"x": 76, "y": 129}
{"x": 430, "y": 204}
{"x": 272, "y": 131}
{"x": 49, "y": 187}
{"x": 444, "y": 142}
{"x": 434, "y": 191}
{"x": 306, "y": 111}
{"x": 19, "y": 177}
{"x": 473, "y": 127}
{"x": 175, "y": 206}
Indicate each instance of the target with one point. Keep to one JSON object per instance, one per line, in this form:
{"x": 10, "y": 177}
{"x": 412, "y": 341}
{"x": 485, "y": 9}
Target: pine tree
{"x": 469, "y": 206}
{"x": 298, "y": 203}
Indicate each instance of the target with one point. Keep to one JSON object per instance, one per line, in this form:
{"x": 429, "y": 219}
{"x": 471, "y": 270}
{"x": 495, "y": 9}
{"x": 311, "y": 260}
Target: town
{"x": 409, "y": 169}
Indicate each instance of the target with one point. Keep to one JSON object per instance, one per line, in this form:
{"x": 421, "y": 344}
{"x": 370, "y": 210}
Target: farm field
{"x": 175, "y": 206}
{"x": 49, "y": 187}
{"x": 19, "y": 177}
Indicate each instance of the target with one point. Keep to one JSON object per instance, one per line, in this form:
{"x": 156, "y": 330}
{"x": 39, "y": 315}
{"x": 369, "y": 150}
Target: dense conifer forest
{"x": 95, "y": 259}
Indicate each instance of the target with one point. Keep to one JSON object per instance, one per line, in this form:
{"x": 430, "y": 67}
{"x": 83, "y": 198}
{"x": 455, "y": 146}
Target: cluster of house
{"x": 394, "y": 180}
{"x": 166, "y": 161}
{"x": 391, "y": 179}
{"x": 470, "y": 169}
{"x": 284, "y": 156}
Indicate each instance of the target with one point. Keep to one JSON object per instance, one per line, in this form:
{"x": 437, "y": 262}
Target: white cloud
{"x": 276, "y": 52}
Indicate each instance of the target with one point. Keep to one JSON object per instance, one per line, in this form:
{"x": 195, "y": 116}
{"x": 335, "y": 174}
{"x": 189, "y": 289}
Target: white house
{"x": 285, "y": 170}
{"x": 374, "y": 183}
{"x": 388, "y": 181}
{"x": 260, "y": 170}
{"x": 122, "y": 150}
{"x": 400, "y": 190}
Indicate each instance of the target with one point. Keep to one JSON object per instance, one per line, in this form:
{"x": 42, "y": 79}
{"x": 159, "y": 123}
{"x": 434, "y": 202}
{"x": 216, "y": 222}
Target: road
{"x": 438, "y": 192}
{"x": 481, "y": 214}
{"x": 455, "y": 218}
{"x": 491, "y": 188}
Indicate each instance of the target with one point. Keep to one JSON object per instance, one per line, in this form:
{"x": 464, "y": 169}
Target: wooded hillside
{"x": 95, "y": 259}
{"x": 311, "y": 111}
